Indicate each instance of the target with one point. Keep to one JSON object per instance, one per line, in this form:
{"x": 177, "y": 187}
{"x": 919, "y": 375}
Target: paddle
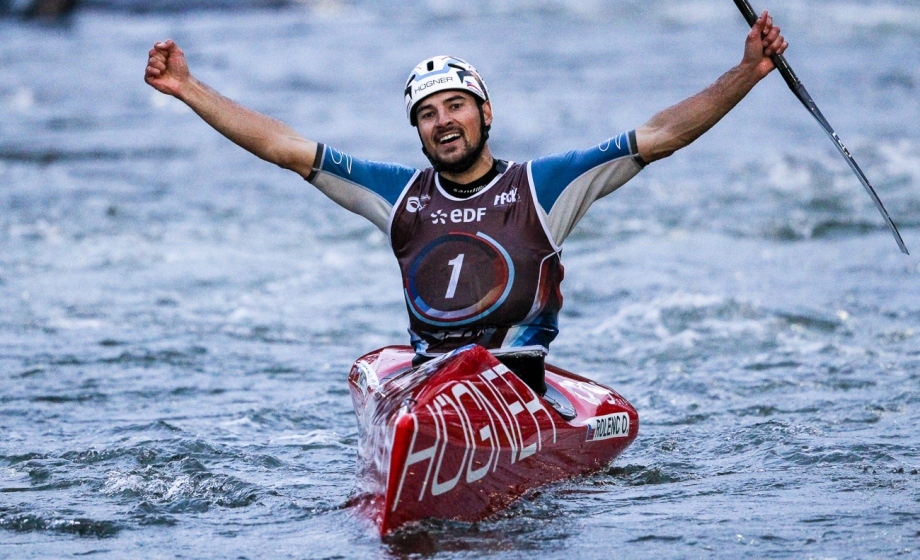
{"x": 799, "y": 90}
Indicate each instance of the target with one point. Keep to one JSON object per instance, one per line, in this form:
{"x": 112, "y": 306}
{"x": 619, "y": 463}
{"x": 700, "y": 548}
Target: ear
{"x": 487, "y": 112}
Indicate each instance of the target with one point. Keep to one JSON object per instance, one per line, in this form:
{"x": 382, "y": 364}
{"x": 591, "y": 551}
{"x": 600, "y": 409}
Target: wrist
{"x": 753, "y": 71}
{"x": 187, "y": 88}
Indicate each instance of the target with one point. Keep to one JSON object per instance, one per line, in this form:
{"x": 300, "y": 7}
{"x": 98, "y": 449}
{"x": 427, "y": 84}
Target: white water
{"x": 177, "y": 318}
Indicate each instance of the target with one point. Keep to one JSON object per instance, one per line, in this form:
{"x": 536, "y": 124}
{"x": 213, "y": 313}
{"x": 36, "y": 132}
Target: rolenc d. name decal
{"x": 609, "y": 426}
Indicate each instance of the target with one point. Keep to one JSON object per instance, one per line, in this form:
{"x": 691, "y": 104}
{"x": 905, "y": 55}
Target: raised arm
{"x": 267, "y": 138}
{"x": 678, "y": 126}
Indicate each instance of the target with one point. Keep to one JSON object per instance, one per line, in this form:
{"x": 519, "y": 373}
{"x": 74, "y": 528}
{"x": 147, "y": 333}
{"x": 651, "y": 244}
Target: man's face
{"x": 449, "y": 125}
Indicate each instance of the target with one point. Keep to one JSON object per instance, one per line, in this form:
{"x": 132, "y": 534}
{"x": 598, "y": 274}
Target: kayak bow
{"x": 461, "y": 437}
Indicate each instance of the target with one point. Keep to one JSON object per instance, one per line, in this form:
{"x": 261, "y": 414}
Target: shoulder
{"x": 575, "y": 162}
{"x": 387, "y": 180}
{"x": 554, "y": 173}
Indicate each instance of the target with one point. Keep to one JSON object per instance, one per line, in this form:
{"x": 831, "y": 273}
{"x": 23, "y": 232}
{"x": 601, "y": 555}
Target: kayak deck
{"x": 461, "y": 437}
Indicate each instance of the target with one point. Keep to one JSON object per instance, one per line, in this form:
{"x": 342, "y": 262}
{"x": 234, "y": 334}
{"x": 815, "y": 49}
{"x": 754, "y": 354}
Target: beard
{"x": 467, "y": 158}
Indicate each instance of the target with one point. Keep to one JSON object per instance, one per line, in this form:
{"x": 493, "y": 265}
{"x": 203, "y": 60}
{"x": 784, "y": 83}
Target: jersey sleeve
{"x": 566, "y": 184}
{"x": 367, "y": 188}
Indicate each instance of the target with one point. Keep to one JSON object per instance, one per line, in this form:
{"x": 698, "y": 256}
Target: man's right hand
{"x": 167, "y": 70}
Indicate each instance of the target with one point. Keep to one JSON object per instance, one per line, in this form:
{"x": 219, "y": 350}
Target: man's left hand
{"x": 762, "y": 42}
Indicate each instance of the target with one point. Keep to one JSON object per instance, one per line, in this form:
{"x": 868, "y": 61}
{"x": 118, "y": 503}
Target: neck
{"x": 478, "y": 169}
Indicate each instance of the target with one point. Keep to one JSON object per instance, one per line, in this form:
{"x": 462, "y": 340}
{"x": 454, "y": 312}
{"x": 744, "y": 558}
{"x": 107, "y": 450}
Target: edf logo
{"x": 467, "y": 215}
{"x": 460, "y": 215}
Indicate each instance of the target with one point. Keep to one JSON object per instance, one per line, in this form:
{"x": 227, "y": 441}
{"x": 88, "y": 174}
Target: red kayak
{"x": 461, "y": 437}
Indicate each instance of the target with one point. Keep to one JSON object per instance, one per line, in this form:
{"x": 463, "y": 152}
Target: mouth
{"x": 448, "y": 138}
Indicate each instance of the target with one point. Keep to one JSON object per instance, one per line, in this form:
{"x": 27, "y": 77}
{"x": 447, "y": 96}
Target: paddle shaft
{"x": 802, "y": 94}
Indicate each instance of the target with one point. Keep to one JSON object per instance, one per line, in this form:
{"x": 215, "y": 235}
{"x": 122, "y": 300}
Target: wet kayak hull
{"x": 461, "y": 437}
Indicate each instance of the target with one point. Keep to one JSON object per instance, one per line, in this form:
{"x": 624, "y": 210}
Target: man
{"x": 477, "y": 238}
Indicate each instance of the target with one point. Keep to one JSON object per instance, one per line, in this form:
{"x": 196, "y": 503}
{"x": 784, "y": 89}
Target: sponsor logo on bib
{"x": 506, "y": 198}
{"x": 439, "y": 217}
{"x": 415, "y": 203}
{"x": 457, "y": 215}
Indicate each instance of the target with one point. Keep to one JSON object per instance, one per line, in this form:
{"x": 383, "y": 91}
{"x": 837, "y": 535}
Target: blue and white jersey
{"x": 501, "y": 288}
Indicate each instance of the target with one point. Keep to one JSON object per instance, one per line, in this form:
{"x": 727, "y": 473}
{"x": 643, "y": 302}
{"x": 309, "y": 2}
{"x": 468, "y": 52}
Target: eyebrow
{"x": 429, "y": 104}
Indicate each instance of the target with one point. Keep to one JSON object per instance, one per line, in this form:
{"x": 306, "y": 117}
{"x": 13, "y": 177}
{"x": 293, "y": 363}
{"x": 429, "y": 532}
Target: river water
{"x": 177, "y": 318}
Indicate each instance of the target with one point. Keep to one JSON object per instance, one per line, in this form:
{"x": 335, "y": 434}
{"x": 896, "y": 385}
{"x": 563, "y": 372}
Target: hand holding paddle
{"x": 799, "y": 90}
{"x": 763, "y": 42}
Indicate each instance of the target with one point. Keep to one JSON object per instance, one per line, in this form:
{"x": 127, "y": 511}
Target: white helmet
{"x": 441, "y": 73}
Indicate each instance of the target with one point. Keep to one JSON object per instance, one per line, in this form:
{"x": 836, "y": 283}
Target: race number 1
{"x": 455, "y": 264}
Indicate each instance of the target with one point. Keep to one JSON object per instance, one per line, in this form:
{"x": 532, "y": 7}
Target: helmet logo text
{"x": 425, "y": 85}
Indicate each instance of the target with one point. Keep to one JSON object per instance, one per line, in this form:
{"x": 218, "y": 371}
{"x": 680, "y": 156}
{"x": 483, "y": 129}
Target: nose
{"x": 444, "y": 118}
